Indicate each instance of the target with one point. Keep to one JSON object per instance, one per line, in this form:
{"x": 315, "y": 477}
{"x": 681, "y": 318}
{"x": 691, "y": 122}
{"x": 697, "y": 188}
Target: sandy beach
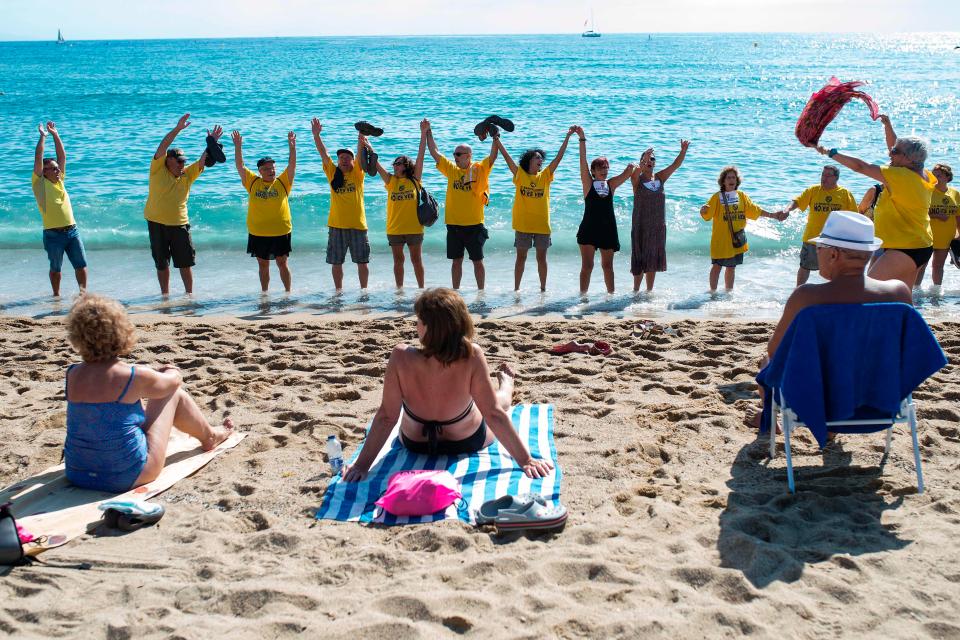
{"x": 678, "y": 526}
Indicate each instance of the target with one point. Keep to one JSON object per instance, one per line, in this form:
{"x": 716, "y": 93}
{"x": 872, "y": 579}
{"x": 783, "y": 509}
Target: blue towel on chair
{"x": 846, "y": 361}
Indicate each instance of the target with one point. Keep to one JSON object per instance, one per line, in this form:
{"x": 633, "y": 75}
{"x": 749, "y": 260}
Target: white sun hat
{"x": 848, "y": 230}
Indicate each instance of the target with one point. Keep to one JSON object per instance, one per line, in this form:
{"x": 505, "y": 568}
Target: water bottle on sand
{"x": 334, "y": 454}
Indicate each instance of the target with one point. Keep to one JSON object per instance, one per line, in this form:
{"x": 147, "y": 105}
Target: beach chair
{"x": 849, "y": 368}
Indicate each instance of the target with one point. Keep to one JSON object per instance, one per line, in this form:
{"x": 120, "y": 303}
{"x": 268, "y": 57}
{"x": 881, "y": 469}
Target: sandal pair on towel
{"x": 526, "y": 511}
{"x": 130, "y": 515}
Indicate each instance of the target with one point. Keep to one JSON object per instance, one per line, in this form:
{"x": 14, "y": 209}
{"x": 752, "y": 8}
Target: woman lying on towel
{"x": 444, "y": 389}
{"x": 113, "y": 443}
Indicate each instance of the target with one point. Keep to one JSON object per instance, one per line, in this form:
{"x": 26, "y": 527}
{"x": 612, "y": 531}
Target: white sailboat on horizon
{"x": 590, "y": 33}
{"x": 60, "y": 39}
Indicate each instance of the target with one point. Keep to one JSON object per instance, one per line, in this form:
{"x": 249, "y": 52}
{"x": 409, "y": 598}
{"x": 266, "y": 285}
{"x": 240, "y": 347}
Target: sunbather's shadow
{"x": 770, "y": 535}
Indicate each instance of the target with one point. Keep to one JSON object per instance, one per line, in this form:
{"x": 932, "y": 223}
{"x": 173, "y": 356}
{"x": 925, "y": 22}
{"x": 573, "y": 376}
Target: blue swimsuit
{"x": 106, "y": 448}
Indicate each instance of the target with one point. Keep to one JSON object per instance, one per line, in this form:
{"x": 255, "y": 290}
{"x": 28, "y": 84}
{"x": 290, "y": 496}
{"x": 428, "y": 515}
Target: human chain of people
{"x": 914, "y": 210}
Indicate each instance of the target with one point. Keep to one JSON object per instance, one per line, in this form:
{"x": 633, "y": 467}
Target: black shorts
{"x": 268, "y": 247}
{"x": 171, "y": 241}
{"x": 920, "y": 257}
{"x": 469, "y": 237}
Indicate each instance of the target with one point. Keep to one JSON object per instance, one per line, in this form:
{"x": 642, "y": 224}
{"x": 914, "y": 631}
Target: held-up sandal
{"x": 368, "y": 129}
{"x": 130, "y": 515}
{"x": 215, "y": 153}
{"x": 528, "y": 512}
{"x": 488, "y": 126}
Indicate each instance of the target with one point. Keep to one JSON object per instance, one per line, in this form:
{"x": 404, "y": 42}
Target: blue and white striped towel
{"x": 483, "y": 475}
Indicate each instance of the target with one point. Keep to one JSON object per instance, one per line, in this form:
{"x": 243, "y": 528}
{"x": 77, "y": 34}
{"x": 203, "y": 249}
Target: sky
{"x": 136, "y": 19}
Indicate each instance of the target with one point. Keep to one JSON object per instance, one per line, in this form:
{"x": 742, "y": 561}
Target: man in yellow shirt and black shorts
{"x": 468, "y": 192}
{"x": 166, "y": 208}
{"x": 821, "y": 199}
{"x": 347, "y": 220}
{"x": 269, "y": 225}
{"x": 60, "y": 233}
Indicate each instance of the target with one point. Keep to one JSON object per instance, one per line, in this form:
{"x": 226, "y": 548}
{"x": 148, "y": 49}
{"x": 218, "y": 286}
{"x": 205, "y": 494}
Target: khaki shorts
{"x": 808, "y": 257}
{"x": 526, "y": 240}
{"x": 404, "y": 238}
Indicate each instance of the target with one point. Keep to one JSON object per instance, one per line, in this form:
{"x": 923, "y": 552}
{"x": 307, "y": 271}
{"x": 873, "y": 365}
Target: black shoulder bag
{"x": 427, "y": 208}
{"x": 738, "y": 238}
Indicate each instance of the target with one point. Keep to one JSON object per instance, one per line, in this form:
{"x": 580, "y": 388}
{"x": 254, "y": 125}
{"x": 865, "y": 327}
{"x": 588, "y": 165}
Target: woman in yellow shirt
{"x": 944, "y": 222}
{"x": 901, "y": 215}
{"x": 403, "y": 225}
{"x": 531, "y": 206}
{"x": 729, "y": 209}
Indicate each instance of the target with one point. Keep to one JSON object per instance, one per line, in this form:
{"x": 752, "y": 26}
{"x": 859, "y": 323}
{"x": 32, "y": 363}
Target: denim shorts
{"x": 58, "y": 242}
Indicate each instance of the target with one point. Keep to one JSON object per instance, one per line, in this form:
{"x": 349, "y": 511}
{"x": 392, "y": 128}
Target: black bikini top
{"x": 433, "y": 428}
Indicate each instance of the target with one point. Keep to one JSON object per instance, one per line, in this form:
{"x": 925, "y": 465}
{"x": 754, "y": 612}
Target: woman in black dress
{"x": 598, "y": 229}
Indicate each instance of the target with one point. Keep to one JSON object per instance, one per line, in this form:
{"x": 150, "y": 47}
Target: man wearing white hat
{"x": 844, "y": 248}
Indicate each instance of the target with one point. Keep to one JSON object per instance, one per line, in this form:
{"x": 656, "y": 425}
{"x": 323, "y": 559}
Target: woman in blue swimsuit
{"x": 114, "y": 443}
{"x": 445, "y": 374}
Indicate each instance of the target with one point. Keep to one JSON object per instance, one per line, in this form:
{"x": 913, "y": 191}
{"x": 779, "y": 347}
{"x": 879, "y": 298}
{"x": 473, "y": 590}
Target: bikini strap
{"x": 133, "y": 371}
{"x": 433, "y": 428}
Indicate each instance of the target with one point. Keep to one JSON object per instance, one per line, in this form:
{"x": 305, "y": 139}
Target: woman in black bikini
{"x": 445, "y": 374}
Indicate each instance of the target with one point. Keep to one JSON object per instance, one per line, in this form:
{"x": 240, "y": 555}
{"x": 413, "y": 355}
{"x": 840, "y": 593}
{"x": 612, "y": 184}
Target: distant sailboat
{"x": 60, "y": 39}
{"x": 590, "y": 33}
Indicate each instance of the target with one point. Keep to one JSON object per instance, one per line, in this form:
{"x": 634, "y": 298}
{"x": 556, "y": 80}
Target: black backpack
{"x": 427, "y": 208}
{"x": 11, "y": 550}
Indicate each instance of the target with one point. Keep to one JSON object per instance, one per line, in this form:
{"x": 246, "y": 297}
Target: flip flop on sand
{"x": 368, "y": 129}
{"x": 570, "y": 347}
{"x": 527, "y": 512}
{"x": 601, "y": 348}
{"x": 130, "y": 515}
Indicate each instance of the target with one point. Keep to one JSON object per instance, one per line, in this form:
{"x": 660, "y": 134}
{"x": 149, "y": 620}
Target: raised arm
{"x": 418, "y": 167}
{"x": 664, "y": 174}
{"x": 616, "y": 181}
{"x": 562, "y": 150}
{"x": 58, "y": 145}
{"x": 365, "y": 142}
{"x": 855, "y": 164}
{"x": 316, "y": 127}
{"x": 585, "y": 178}
{"x": 506, "y": 156}
{"x": 361, "y": 143}
{"x": 888, "y": 133}
{"x": 38, "y": 154}
{"x": 383, "y": 422}
{"x": 292, "y": 155}
{"x": 214, "y": 133}
{"x": 238, "y": 152}
{"x": 168, "y": 139}
{"x": 481, "y": 388}
{"x": 494, "y": 148}
{"x": 431, "y": 143}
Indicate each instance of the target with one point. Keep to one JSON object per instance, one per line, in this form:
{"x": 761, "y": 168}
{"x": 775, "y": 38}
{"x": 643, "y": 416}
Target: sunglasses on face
{"x": 398, "y": 164}
{"x": 461, "y": 153}
{"x": 896, "y": 152}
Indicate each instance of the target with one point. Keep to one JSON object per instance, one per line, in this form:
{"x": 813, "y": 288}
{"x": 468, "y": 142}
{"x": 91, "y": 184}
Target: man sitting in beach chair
{"x": 844, "y": 248}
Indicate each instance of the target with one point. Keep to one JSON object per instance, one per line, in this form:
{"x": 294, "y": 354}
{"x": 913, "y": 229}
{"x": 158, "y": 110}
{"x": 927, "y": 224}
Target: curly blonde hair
{"x": 99, "y": 329}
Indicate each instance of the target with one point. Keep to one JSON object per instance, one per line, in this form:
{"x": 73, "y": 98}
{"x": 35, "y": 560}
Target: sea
{"x": 736, "y": 97}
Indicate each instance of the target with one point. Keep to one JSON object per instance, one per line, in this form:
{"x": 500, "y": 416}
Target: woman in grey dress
{"x": 648, "y": 237}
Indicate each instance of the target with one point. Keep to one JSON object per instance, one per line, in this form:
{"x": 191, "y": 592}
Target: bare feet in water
{"x": 219, "y": 434}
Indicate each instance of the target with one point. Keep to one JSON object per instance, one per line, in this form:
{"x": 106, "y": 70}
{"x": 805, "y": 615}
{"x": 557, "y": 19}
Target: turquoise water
{"x": 735, "y": 96}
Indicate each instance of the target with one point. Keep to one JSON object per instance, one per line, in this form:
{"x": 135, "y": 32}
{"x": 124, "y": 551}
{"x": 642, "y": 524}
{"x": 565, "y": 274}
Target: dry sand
{"x": 679, "y": 528}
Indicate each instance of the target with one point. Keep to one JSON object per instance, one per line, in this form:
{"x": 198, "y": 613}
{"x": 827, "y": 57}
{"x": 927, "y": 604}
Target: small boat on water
{"x": 60, "y": 39}
{"x": 590, "y": 33}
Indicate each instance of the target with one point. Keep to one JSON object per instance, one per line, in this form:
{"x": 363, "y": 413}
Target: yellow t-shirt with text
{"x": 901, "y": 217}
{"x": 468, "y": 191}
{"x": 944, "y": 204}
{"x": 268, "y": 212}
{"x": 821, "y": 203}
{"x": 721, "y": 241}
{"x": 402, "y": 207}
{"x": 167, "y": 196}
{"x": 346, "y": 203}
{"x": 531, "y": 204}
{"x": 53, "y": 201}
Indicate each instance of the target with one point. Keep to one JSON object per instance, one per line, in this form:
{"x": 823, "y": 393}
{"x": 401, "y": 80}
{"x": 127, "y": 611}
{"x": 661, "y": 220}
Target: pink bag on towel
{"x": 419, "y": 493}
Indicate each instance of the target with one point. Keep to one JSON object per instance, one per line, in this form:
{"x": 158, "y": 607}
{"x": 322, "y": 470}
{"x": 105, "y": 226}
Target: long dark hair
{"x": 528, "y": 156}
{"x": 409, "y": 170}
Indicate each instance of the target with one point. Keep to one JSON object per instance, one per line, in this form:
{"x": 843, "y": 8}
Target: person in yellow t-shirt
{"x": 166, "y": 209}
{"x": 347, "y": 220}
{"x": 403, "y": 225}
{"x": 821, "y": 199}
{"x": 468, "y": 192}
{"x": 901, "y": 215}
{"x": 944, "y": 221}
{"x": 60, "y": 235}
{"x": 531, "y": 206}
{"x": 269, "y": 226}
{"x": 729, "y": 209}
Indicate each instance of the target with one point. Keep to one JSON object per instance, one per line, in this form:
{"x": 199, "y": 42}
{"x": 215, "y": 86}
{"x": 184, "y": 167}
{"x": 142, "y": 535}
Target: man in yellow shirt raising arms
{"x": 468, "y": 191}
{"x": 347, "y": 220}
{"x": 60, "y": 233}
{"x": 269, "y": 226}
{"x": 166, "y": 207}
{"x": 821, "y": 199}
